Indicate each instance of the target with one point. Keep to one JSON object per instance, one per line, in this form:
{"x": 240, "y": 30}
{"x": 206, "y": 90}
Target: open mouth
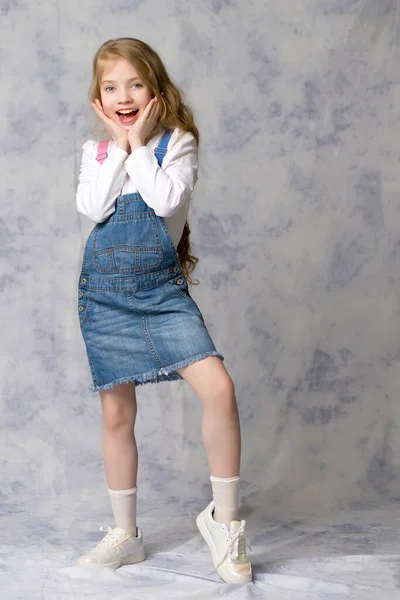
{"x": 127, "y": 116}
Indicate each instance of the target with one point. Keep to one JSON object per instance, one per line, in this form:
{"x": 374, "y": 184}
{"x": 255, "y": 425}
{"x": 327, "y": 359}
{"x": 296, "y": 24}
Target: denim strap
{"x": 161, "y": 149}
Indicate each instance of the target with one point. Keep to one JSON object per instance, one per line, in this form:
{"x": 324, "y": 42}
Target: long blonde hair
{"x": 173, "y": 111}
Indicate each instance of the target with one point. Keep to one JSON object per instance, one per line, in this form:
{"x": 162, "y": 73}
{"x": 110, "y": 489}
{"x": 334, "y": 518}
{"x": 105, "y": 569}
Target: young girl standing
{"x": 138, "y": 320}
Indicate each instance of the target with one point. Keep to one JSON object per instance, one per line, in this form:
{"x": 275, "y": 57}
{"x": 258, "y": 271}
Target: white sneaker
{"x": 227, "y": 545}
{"x": 117, "y": 548}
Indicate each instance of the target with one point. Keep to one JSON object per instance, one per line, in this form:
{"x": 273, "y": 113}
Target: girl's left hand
{"x": 139, "y": 132}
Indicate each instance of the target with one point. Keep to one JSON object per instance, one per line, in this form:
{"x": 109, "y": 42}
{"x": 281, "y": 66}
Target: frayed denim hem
{"x": 157, "y": 375}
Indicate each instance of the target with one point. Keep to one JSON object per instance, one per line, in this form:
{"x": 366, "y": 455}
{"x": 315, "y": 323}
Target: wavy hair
{"x": 173, "y": 111}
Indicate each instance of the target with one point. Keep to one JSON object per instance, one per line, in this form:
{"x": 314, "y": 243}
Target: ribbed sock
{"x": 123, "y": 504}
{"x": 226, "y": 498}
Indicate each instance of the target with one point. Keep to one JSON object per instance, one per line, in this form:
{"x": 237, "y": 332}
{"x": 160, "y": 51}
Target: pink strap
{"x": 102, "y": 151}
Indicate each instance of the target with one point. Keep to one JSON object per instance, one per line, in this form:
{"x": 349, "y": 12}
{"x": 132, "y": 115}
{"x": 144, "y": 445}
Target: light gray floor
{"x": 354, "y": 554}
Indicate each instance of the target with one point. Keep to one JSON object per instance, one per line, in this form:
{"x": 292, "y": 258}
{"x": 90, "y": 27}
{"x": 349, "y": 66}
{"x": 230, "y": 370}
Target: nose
{"x": 124, "y": 96}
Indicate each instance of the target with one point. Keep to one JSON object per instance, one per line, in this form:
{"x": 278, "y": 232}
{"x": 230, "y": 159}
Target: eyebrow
{"x": 112, "y": 81}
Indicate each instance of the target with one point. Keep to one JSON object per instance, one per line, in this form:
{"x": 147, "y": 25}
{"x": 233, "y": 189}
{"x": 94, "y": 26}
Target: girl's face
{"x": 121, "y": 88}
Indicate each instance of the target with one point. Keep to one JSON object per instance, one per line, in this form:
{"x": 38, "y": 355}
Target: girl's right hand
{"x": 119, "y": 133}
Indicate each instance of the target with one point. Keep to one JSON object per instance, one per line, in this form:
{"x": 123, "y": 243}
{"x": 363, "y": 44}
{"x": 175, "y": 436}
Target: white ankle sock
{"x": 123, "y": 504}
{"x": 226, "y": 498}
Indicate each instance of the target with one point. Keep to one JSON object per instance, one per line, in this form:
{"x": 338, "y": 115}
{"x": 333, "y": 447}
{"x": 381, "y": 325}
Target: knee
{"x": 117, "y": 419}
{"x": 223, "y": 397}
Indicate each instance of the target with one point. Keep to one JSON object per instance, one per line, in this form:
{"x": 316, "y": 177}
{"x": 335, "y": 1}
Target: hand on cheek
{"x": 113, "y": 128}
{"x": 144, "y": 126}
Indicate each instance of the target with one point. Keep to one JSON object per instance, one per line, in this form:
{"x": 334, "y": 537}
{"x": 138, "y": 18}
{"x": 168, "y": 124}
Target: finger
{"x": 154, "y": 112}
{"x": 96, "y": 108}
{"x": 101, "y": 116}
{"x": 155, "y": 109}
{"x": 100, "y": 112}
{"x": 157, "y": 106}
{"x": 150, "y": 106}
{"x": 97, "y": 104}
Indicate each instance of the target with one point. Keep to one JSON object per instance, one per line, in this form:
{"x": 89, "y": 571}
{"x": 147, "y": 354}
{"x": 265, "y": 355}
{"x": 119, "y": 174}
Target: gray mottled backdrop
{"x": 296, "y": 220}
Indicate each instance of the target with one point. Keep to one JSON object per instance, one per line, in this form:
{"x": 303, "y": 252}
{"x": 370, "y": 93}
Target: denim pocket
{"x": 127, "y": 260}
{"x": 127, "y": 245}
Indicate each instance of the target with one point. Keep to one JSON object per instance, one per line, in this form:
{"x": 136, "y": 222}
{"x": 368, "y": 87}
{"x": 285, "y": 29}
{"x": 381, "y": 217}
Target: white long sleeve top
{"x": 167, "y": 190}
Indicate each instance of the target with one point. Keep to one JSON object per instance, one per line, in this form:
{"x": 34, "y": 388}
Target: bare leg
{"x": 220, "y": 432}
{"x": 119, "y": 445}
{"x": 218, "y": 523}
{"x": 120, "y": 464}
{"x": 120, "y": 453}
{"x": 220, "y": 427}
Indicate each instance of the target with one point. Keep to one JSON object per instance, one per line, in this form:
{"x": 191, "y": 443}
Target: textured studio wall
{"x": 297, "y": 224}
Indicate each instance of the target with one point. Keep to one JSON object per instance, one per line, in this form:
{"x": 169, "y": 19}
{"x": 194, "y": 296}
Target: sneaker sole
{"x": 224, "y": 573}
{"x": 131, "y": 559}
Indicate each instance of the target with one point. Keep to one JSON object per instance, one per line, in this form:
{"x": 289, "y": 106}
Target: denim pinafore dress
{"x": 137, "y": 318}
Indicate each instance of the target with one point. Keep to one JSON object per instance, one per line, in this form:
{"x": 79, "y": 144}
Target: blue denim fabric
{"x": 137, "y": 318}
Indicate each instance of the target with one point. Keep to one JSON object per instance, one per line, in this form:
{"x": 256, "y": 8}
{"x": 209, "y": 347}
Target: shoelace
{"x": 238, "y": 555}
{"x": 110, "y": 539}
{"x": 241, "y": 546}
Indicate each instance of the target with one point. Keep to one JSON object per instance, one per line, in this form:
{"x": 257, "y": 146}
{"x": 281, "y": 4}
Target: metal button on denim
{"x": 83, "y": 280}
{"x": 81, "y": 294}
{"x": 179, "y": 281}
{"x": 81, "y": 308}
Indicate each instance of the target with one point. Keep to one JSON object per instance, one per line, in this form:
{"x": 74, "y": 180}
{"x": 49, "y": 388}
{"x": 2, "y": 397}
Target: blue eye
{"x": 138, "y": 86}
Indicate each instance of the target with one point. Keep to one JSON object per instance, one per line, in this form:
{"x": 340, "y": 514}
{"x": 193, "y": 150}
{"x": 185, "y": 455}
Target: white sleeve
{"x": 99, "y": 185}
{"x": 165, "y": 189}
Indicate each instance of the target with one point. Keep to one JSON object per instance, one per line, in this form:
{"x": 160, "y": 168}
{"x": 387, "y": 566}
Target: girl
{"x": 138, "y": 320}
